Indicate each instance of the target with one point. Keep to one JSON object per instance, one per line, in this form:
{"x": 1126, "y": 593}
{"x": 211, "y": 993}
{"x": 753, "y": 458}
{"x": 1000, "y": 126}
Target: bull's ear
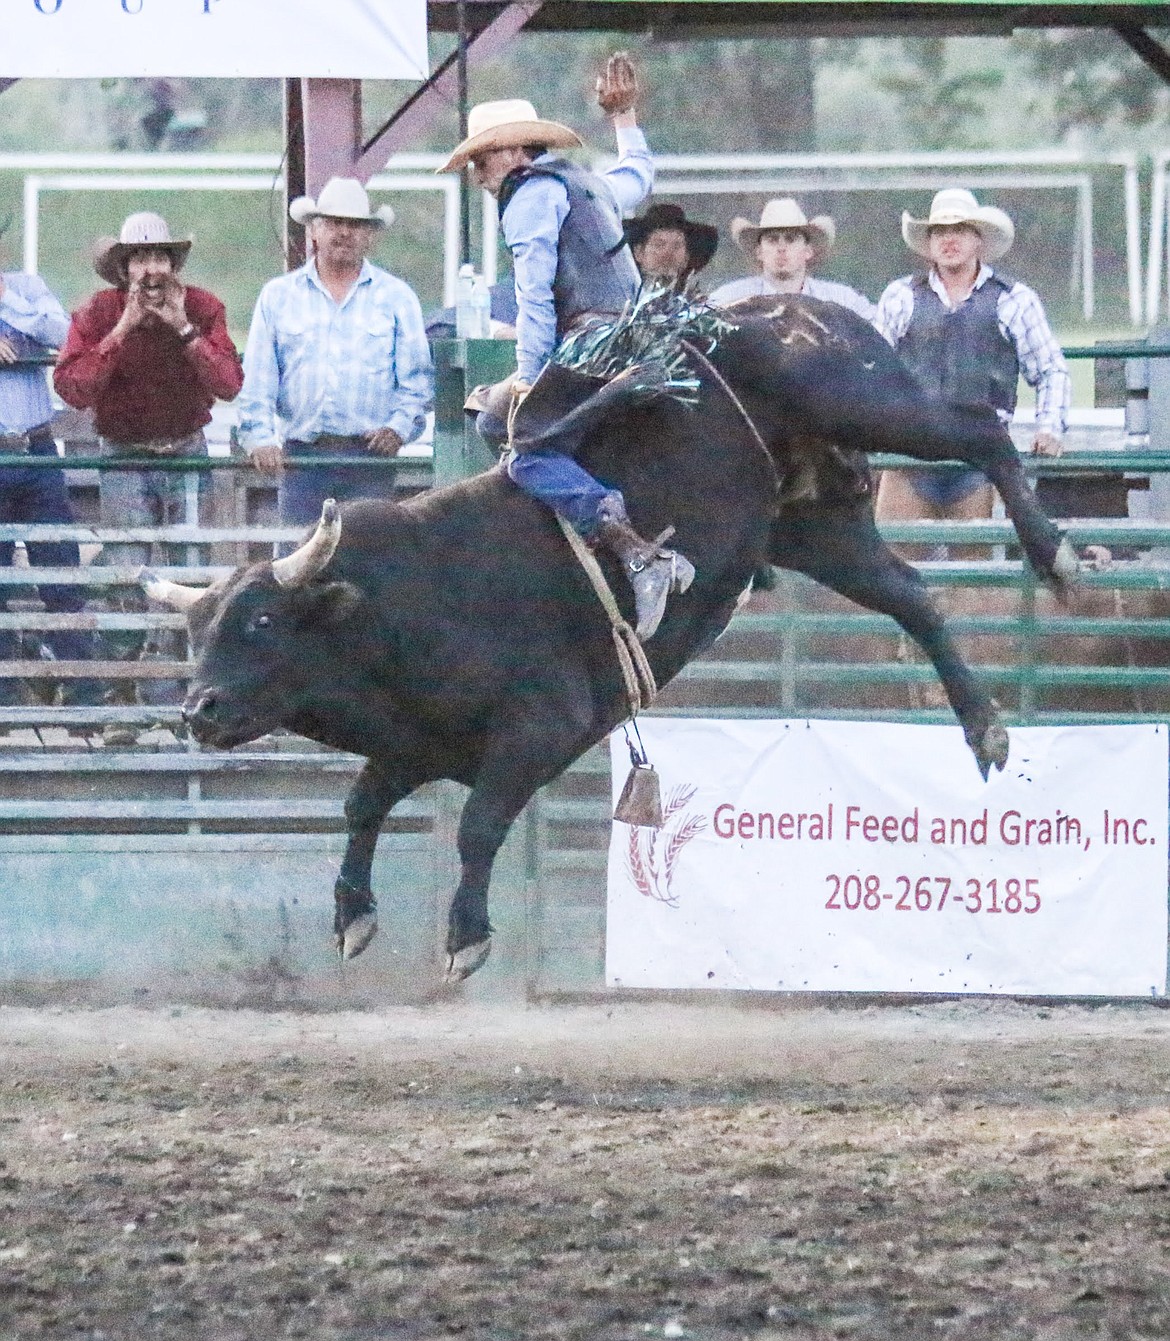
{"x": 329, "y": 602}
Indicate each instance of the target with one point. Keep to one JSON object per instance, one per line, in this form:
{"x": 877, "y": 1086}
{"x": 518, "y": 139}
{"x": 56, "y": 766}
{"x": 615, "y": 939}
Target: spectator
{"x": 337, "y": 361}
{"x": 150, "y": 357}
{"x": 967, "y": 333}
{"x": 32, "y": 323}
{"x": 786, "y": 245}
{"x": 668, "y": 247}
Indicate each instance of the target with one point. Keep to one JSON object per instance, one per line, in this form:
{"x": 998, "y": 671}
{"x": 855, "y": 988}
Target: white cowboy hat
{"x": 786, "y": 213}
{"x": 139, "y": 230}
{"x": 508, "y": 124}
{"x": 957, "y": 206}
{"x": 340, "y": 198}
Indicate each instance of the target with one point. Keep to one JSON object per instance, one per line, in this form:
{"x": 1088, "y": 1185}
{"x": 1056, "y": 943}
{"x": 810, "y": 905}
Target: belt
{"x": 327, "y": 440}
{"x": 190, "y": 444}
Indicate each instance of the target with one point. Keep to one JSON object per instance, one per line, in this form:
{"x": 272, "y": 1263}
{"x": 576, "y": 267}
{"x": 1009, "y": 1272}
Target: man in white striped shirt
{"x": 337, "y": 361}
{"x": 967, "y": 333}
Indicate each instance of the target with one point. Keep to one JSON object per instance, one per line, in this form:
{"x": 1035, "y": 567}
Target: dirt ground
{"x": 972, "y": 1170}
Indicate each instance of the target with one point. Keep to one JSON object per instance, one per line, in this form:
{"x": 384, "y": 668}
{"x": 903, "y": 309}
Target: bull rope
{"x": 724, "y": 386}
{"x": 637, "y": 675}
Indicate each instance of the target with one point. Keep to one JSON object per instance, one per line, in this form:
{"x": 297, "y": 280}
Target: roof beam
{"x": 441, "y": 89}
{"x": 686, "y": 19}
{"x": 1148, "y": 48}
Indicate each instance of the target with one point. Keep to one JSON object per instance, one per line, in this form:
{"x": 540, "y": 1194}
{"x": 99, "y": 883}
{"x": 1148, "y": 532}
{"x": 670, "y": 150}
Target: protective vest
{"x": 961, "y": 356}
{"x": 595, "y": 269}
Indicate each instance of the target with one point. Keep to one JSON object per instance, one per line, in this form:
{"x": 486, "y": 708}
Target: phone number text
{"x": 932, "y": 893}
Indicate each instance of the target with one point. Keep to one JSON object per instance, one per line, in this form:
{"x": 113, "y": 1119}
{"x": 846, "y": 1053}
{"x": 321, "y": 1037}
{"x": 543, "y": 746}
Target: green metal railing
{"x": 788, "y": 651}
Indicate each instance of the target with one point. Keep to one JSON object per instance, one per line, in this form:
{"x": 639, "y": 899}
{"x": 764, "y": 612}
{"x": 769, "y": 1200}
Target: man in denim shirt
{"x": 33, "y": 322}
{"x": 563, "y": 226}
{"x": 337, "y": 361}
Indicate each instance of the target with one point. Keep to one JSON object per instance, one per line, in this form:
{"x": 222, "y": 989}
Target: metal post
{"x": 464, "y": 185}
{"x": 294, "y": 171}
{"x": 1085, "y": 207}
{"x": 1133, "y": 243}
{"x": 491, "y": 236}
{"x": 1157, "y": 235}
{"x": 32, "y": 224}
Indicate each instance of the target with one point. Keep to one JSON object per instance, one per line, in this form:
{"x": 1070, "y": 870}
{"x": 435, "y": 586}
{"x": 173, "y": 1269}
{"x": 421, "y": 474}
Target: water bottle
{"x": 464, "y": 311}
{"x": 481, "y": 309}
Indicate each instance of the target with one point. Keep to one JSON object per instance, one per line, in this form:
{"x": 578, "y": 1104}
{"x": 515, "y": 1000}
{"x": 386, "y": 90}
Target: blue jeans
{"x": 560, "y": 483}
{"x": 146, "y": 497}
{"x": 303, "y": 491}
{"x": 946, "y": 487}
{"x": 32, "y": 495}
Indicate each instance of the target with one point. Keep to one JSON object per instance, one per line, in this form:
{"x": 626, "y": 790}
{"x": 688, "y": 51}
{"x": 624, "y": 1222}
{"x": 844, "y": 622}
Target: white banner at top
{"x": 233, "y": 39}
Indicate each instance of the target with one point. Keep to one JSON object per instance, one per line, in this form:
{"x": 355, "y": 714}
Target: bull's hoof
{"x": 463, "y": 963}
{"x": 354, "y": 939}
{"x": 992, "y": 749}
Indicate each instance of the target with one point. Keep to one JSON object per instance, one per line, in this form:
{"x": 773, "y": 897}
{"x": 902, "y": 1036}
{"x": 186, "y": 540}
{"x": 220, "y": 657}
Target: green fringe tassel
{"x": 644, "y": 344}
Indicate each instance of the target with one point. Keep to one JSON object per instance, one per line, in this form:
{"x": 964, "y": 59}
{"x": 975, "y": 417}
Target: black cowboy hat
{"x": 702, "y": 239}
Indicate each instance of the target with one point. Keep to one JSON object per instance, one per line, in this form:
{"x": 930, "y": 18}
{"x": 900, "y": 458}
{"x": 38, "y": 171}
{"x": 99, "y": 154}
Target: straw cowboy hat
{"x": 821, "y": 231}
{"x": 956, "y": 206}
{"x": 340, "y": 198}
{"x": 701, "y": 238}
{"x": 508, "y": 124}
{"x": 140, "y": 230}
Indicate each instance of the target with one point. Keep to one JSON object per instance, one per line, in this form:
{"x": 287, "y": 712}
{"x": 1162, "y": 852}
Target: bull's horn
{"x": 173, "y": 594}
{"x": 304, "y": 565}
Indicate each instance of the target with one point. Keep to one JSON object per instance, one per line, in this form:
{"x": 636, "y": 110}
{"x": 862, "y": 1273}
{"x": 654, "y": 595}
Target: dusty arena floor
{"x": 973, "y": 1170}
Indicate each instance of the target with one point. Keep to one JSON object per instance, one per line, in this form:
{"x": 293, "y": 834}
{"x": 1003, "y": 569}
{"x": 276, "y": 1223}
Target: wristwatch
{"x": 189, "y": 332}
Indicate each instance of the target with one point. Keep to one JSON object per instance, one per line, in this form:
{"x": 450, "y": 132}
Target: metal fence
{"x": 87, "y": 826}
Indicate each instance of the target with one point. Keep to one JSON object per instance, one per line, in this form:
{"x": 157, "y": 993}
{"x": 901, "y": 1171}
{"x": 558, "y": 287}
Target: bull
{"x": 454, "y": 636}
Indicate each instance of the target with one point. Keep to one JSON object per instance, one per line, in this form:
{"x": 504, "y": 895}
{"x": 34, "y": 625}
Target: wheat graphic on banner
{"x": 652, "y": 854}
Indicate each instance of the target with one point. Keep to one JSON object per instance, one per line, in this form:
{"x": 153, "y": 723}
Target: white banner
{"x": 94, "y": 39}
{"x": 848, "y": 857}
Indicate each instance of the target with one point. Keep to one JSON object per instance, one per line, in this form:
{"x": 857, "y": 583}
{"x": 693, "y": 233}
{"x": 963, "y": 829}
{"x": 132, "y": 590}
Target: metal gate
{"x": 165, "y": 872}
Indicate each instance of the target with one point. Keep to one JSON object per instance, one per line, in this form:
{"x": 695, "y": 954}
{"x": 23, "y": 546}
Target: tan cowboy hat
{"x": 821, "y": 231}
{"x": 140, "y": 230}
{"x": 957, "y": 206}
{"x": 340, "y": 198}
{"x": 508, "y": 124}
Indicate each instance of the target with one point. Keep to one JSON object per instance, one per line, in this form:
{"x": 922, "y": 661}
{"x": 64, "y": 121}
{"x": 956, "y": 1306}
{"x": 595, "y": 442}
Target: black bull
{"x": 454, "y": 636}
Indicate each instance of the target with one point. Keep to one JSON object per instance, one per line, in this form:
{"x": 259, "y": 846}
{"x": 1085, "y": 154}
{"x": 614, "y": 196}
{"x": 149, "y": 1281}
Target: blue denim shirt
{"x": 532, "y": 226}
{"x": 32, "y": 321}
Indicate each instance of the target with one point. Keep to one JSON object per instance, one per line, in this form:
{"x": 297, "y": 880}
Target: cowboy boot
{"x": 654, "y": 573}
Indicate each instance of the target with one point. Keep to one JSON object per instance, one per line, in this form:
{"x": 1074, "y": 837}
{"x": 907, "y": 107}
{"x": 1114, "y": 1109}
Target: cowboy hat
{"x": 140, "y": 230}
{"x": 957, "y": 206}
{"x": 786, "y": 213}
{"x": 340, "y": 198}
{"x": 508, "y": 124}
{"x": 701, "y": 238}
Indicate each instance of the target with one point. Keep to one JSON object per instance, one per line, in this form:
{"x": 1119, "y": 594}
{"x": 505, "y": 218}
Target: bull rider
{"x": 563, "y": 226}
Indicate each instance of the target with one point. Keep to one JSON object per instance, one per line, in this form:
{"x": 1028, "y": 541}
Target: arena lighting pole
{"x": 464, "y": 185}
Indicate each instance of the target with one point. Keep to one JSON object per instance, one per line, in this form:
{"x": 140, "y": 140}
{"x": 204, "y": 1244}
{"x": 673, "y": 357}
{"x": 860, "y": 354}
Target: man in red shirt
{"x": 149, "y": 356}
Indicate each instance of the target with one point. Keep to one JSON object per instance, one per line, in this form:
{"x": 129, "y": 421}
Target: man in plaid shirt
{"x": 967, "y": 333}
{"x": 337, "y": 361}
